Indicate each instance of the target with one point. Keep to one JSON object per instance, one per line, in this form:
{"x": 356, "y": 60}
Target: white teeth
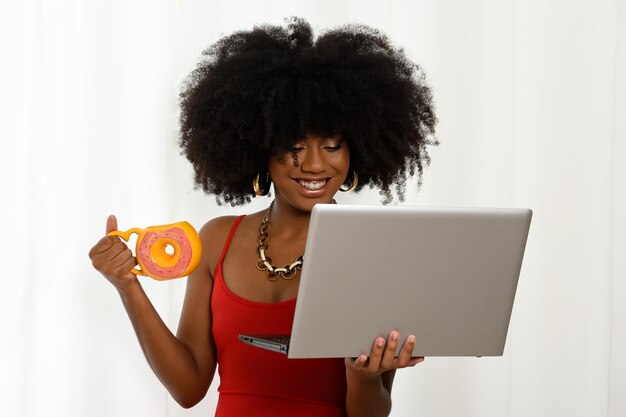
{"x": 312, "y": 185}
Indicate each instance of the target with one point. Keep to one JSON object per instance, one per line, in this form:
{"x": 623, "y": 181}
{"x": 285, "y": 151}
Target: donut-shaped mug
{"x": 152, "y": 250}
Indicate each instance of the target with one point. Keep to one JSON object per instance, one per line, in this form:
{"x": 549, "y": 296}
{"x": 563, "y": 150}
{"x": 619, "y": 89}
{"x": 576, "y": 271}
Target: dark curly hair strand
{"x": 256, "y": 93}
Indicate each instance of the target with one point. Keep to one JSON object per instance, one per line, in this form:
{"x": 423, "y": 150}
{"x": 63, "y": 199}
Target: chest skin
{"x": 239, "y": 267}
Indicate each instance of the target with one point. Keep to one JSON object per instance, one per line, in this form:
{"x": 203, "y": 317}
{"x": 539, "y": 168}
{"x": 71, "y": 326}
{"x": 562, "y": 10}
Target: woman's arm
{"x": 370, "y": 379}
{"x": 184, "y": 364}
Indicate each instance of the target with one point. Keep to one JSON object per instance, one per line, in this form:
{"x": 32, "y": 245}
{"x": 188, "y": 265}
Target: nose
{"x": 312, "y": 161}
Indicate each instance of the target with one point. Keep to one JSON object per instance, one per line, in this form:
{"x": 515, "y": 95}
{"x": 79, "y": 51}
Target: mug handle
{"x": 126, "y": 235}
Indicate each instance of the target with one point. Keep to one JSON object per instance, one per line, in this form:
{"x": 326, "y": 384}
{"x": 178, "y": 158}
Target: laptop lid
{"x": 447, "y": 275}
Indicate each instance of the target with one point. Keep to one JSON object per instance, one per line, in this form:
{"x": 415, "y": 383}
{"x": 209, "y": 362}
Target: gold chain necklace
{"x": 265, "y": 262}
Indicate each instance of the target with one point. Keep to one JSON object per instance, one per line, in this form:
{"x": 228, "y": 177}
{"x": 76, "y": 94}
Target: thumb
{"x": 111, "y": 224}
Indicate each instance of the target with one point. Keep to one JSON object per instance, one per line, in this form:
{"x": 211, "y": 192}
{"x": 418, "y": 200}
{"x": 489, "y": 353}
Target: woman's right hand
{"x": 112, "y": 258}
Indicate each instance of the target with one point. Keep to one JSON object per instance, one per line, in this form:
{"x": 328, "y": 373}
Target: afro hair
{"x": 256, "y": 93}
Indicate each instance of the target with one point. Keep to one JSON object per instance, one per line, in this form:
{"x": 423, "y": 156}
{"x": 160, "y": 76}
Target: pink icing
{"x": 143, "y": 252}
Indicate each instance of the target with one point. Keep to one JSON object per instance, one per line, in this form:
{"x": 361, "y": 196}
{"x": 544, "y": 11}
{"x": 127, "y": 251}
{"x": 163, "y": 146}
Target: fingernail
{"x": 380, "y": 342}
{"x": 362, "y": 358}
{"x": 394, "y": 336}
{"x": 411, "y": 339}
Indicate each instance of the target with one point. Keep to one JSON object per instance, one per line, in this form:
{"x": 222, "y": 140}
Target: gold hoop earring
{"x": 355, "y": 181}
{"x": 261, "y": 189}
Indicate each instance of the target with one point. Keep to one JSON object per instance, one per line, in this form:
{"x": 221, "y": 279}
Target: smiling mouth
{"x": 313, "y": 185}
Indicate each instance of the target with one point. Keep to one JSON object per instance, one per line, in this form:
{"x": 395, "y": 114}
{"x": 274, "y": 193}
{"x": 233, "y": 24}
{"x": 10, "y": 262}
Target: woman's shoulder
{"x": 217, "y": 225}
{"x": 222, "y": 225}
{"x": 214, "y": 233}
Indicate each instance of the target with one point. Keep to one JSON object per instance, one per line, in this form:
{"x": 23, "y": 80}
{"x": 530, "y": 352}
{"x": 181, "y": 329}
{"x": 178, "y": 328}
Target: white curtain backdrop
{"x": 531, "y": 98}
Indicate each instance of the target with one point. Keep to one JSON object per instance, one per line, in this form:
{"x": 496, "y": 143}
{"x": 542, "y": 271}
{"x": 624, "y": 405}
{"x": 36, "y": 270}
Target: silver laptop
{"x": 446, "y": 275}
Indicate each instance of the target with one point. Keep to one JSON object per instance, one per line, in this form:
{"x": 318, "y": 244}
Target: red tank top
{"x": 256, "y": 382}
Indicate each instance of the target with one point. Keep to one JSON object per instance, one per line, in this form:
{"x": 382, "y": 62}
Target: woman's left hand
{"x": 383, "y": 358}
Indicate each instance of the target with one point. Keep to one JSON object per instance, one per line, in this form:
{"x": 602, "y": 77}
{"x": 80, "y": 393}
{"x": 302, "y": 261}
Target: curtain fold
{"x": 617, "y": 369}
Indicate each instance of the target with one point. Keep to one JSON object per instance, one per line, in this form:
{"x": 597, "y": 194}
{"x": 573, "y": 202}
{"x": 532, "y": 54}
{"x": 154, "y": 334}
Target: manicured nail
{"x": 394, "y": 336}
{"x": 380, "y": 342}
{"x": 411, "y": 339}
{"x": 362, "y": 358}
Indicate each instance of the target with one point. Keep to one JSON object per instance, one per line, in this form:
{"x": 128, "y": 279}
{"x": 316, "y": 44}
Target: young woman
{"x": 273, "y": 106}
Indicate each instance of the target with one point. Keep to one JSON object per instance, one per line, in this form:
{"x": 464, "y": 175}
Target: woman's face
{"x": 312, "y": 173}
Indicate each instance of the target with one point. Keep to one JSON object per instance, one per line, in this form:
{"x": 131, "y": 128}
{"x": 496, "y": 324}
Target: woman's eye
{"x": 333, "y": 148}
